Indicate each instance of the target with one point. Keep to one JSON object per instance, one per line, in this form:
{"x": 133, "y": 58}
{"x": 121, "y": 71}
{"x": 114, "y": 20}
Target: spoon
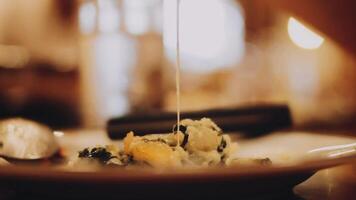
{"x": 26, "y": 140}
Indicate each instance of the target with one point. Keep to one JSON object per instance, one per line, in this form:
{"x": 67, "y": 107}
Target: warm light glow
{"x": 12, "y": 56}
{"x": 211, "y": 33}
{"x": 138, "y": 15}
{"x": 87, "y": 15}
{"x": 108, "y": 16}
{"x": 58, "y": 133}
{"x": 115, "y": 55}
{"x": 302, "y": 36}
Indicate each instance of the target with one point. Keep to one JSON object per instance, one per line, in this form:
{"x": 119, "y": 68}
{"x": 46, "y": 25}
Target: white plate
{"x": 287, "y": 150}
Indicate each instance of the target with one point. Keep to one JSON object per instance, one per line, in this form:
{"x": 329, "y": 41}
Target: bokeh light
{"x": 210, "y": 38}
{"x": 302, "y": 36}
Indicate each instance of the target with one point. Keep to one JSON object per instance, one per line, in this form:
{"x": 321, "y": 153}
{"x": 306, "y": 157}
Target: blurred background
{"x": 77, "y": 63}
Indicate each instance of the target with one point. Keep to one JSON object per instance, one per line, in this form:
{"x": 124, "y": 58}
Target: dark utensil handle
{"x": 252, "y": 120}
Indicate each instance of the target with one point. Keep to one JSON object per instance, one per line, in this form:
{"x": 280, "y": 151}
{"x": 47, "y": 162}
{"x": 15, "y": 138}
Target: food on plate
{"x": 26, "y": 139}
{"x": 198, "y": 143}
{"x": 252, "y": 162}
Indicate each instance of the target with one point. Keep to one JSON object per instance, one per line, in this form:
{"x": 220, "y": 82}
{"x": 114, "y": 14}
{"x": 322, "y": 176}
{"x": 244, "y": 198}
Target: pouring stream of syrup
{"x": 178, "y": 73}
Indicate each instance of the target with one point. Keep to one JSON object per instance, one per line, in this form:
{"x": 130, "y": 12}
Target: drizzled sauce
{"x": 177, "y": 72}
